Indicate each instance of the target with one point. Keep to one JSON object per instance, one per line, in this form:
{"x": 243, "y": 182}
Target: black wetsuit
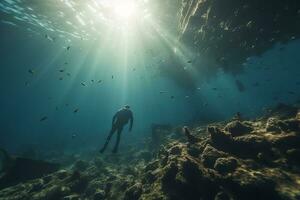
{"x": 120, "y": 119}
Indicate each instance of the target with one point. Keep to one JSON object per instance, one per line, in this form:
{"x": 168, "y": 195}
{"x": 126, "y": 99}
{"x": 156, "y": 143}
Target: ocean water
{"x": 60, "y": 57}
{"x": 186, "y": 68}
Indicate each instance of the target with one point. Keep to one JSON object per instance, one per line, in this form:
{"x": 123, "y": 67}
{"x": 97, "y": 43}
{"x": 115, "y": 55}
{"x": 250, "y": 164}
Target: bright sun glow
{"x": 125, "y": 10}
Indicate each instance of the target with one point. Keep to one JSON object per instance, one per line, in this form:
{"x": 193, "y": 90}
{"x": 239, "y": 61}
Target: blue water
{"x": 26, "y": 98}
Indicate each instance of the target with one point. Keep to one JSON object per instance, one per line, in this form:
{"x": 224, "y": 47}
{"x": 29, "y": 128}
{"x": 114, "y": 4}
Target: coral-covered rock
{"x": 272, "y": 125}
{"x": 210, "y": 155}
{"x": 191, "y": 138}
{"x": 99, "y": 195}
{"x": 277, "y": 126}
{"x": 249, "y": 184}
{"x": 250, "y": 145}
{"x": 225, "y": 165}
{"x": 152, "y": 165}
{"x": 220, "y": 139}
{"x": 237, "y": 128}
{"x": 286, "y": 141}
{"x": 176, "y": 150}
{"x": 134, "y": 192}
{"x": 194, "y": 150}
{"x": 61, "y": 174}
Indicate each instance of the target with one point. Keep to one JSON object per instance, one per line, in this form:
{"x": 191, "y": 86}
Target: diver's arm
{"x": 131, "y": 122}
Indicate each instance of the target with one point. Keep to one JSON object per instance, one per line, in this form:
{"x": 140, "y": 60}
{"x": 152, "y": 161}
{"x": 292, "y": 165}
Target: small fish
{"x": 68, "y": 47}
{"x": 83, "y": 84}
{"x": 61, "y": 70}
{"x": 172, "y": 97}
{"x": 198, "y": 88}
{"x": 92, "y": 81}
{"x": 74, "y": 136}
{"x": 56, "y": 108}
{"x": 189, "y": 61}
{"x": 68, "y": 74}
{"x": 76, "y": 110}
{"x": 215, "y": 88}
{"x": 43, "y": 119}
{"x": 31, "y": 71}
{"x": 187, "y": 97}
{"x": 26, "y": 83}
{"x": 99, "y": 81}
{"x": 112, "y": 77}
{"x": 133, "y": 69}
{"x": 66, "y": 63}
{"x": 163, "y": 92}
{"x": 66, "y": 104}
{"x": 61, "y": 78}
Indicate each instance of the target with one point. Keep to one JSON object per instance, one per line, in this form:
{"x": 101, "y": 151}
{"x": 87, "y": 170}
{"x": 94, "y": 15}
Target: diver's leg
{"x": 118, "y": 139}
{"x": 113, "y": 129}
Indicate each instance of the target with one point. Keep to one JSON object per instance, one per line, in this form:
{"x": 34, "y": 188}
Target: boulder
{"x": 219, "y": 139}
{"x": 250, "y": 145}
{"x": 210, "y": 155}
{"x": 237, "y": 128}
{"x": 225, "y": 165}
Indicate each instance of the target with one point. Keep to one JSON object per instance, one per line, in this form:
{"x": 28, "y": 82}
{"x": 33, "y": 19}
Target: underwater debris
{"x": 43, "y": 118}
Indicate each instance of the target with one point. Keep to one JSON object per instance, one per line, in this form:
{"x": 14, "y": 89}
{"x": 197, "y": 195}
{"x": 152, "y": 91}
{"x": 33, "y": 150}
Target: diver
{"x": 120, "y": 119}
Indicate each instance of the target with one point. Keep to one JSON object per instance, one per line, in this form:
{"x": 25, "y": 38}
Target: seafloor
{"x": 236, "y": 159}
